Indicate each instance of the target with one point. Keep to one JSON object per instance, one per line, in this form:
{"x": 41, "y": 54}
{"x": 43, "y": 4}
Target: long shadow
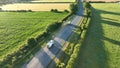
{"x": 109, "y": 18}
{"x": 59, "y": 41}
{"x": 55, "y": 48}
{"x": 61, "y": 57}
{"x": 92, "y": 51}
{"x": 74, "y": 26}
{"x": 112, "y": 41}
{"x": 41, "y": 59}
{"x": 108, "y": 12}
{"x": 111, "y": 23}
{"x": 64, "y": 34}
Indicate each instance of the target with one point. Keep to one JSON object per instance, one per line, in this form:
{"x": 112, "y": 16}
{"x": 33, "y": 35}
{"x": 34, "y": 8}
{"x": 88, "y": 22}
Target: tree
{"x": 88, "y": 12}
{"x": 31, "y": 42}
{"x": 66, "y": 11}
{"x": 87, "y": 8}
{"x": 87, "y": 5}
{"x": 76, "y": 1}
{"x": 54, "y": 10}
{"x": 74, "y": 8}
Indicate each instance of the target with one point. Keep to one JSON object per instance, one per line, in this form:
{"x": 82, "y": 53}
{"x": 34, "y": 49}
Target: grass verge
{"x": 100, "y": 48}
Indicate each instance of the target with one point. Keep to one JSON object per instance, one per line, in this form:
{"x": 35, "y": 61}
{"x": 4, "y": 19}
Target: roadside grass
{"x": 101, "y": 46}
{"x": 17, "y": 27}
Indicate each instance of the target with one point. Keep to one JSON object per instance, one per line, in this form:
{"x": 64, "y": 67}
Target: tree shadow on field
{"x": 112, "y": 41}
{"x": 92, "y": 52}
{"x": 108, "y": 12}
{"x": 109, "y": 19}
{"x": 111, "y": 23}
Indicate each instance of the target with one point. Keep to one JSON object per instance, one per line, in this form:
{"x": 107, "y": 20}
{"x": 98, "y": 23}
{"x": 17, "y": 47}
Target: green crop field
{"x": 101, "y": 47}
{"x": 17, "y": 27}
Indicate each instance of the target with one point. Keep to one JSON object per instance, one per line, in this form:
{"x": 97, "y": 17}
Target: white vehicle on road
{"x": 50, "y": 43}
{"x": 69, "y": 22}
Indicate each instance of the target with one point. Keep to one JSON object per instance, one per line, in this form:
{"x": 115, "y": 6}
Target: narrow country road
{"x": 45, "y": 55}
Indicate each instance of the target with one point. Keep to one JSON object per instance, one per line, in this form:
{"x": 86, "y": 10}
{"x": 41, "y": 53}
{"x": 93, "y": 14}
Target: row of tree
{"x": 87, "y": 8}
{"x": 71, "y": 52}
{"x": 83, "y": 26}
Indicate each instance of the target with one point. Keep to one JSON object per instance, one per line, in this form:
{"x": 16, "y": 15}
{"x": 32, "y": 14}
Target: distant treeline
{"x": 11, "y": 1}
{"x": 7, "y": 1}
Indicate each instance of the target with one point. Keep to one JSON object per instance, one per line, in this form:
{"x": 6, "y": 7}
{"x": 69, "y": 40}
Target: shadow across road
{"x": 45, "y": 55}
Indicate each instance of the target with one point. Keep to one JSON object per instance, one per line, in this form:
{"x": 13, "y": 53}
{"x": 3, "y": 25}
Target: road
{"x": 45, "y": 55}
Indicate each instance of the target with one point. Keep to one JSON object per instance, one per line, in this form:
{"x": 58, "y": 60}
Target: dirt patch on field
{"x": 36, "y": 7}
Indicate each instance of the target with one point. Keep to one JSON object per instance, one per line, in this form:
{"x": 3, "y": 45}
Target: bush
{"x": 45, "y": 34}
{"x": 61, "y": 65}
{"x": 29, "y": 10}
{"x": 73, "y": 56}
{"x": 54, "y": 10}
{"x": 39, "y": 37}
{"x": 31, "y": 42}
{"x": 89, "y": 13}
{"x": 74, "y": 8}
{"x": 53, "y": 27}
{"x": 86, "y": 5}
{"x": 66, "y": 11}
{"x": 21, "y": 10}
{"x": 0, "y": 9}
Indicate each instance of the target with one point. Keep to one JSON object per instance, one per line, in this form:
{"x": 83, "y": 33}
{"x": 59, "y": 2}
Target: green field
{"x": 101, "y": 47}
{"x": 17, "y": 27}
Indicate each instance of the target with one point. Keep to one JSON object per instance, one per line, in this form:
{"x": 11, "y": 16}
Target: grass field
{"x": 36, "y": 7}
{"x": 17, "y": 27}
{"x": 101, "y": 47}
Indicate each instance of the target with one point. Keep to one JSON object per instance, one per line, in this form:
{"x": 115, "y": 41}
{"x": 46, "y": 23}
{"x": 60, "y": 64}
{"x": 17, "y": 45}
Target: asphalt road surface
{"x": 45, "y": 55}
